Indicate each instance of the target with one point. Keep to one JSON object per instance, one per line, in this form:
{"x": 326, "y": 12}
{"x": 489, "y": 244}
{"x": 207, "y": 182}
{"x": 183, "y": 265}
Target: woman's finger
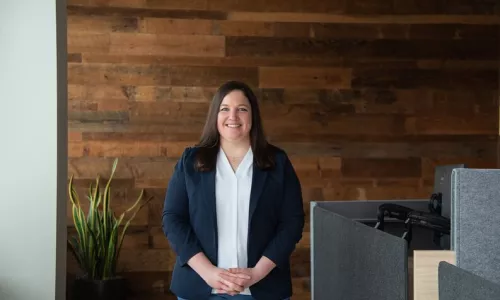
{"x": 223, "y": 291}
{"x": 239, "y": 270}
{"x": 222, "y": 288}
{"x": 236, "y": 275}
{"x": 241, "y": 274}
{"x": 232, "y": 285}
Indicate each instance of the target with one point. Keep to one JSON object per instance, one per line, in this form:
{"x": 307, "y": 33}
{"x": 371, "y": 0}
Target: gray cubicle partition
{"x": 351, "y": 260}
{"x": 442, "y": 185}
{"x": 456, "y": 283}
{"x": 476, "y": 221}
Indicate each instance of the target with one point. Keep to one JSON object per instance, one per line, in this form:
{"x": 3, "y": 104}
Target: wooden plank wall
{"x": 367, "y": 97}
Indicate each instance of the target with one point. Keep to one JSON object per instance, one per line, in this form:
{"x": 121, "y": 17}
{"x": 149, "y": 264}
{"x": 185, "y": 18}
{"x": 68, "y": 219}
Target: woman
{"x": 233, "y": 211}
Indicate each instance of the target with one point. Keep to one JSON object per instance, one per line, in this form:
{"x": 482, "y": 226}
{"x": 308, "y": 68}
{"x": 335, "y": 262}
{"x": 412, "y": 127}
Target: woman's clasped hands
{"x": 231, "y": 281}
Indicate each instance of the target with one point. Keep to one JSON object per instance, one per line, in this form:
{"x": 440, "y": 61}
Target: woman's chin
{"x": 234, "y": 137}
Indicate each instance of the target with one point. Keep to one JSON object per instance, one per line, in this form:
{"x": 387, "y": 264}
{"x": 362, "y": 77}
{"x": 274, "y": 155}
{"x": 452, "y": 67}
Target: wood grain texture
{"x": 367, "y": 98}
{"x": 425, "y": 271}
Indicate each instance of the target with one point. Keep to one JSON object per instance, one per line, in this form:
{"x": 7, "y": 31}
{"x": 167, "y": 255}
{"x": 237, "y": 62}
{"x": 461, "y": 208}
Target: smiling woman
{"x": 233, "y": 211}
{"x": 234, "y": 122}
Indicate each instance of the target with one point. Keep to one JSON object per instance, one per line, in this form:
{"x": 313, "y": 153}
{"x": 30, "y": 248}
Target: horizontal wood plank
{"x": 165, "y": 112}
{"x": 243, "y": 28}
{"x": 99, "y": 92}
{"x": 149, "y": 285}
{"x": 457, "y": 18}
{"x": 370, "y": 167}
{"x": 90, "y": 74}
{"x": 291, "y": 61}
{"x": 276, "y": 6}
{"x": 429, "y": 164}
{"x": 423, "y": 101}
{"x": 362, "y": 193}
{"x": 102, "y": 24}
{"x": 414, "y": 149}
{"x": 452, "y": 125}
{"x": 327, "y": 145}
{"x": 412, "y": 79}
{"x": 142, "y": 167}
{"x": 150, "y": 260}
{"x": 89, "y": 113}
{"x": 175, "y": 26}
{"x": 131, "y": 148}
{"x": 99, "y": 105}
{"x": 326, "y": 122}
{"x": 355, "y": 48}
{"x": 353, "y": 7}
{"x": 153, "y": 12}
{"x": 174, "y": 94}
{"x": 304, "y": 77}
{"x": 369, "y": 7}
{"x": 88, "y": 42}
{"x": 156, "y": 44}
{"x": 158, "y": 4}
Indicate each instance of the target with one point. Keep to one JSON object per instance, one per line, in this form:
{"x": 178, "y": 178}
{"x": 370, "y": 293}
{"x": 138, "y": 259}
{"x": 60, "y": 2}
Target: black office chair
{"x": 431, "y": 219}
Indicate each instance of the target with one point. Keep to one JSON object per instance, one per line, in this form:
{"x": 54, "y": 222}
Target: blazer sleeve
{"x": 291, "y": 219}
{"x": 175, "y": 216}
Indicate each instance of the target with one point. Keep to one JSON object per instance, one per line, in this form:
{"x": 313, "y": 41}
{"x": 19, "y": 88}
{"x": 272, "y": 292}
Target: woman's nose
{"x": 233, "y": 113}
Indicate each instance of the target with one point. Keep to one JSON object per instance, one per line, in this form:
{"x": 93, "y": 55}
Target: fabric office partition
{"x": 456, "y": 283}
{"x": 351, "y": 260}
{"x": 476, "y": 221}
{"x": 442, "y": 185}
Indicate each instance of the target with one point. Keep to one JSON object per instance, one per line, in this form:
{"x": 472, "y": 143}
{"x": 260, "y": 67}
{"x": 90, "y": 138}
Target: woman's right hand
{"x": 224, "y": 281}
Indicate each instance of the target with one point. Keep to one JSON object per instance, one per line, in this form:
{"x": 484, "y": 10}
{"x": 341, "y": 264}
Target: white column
{"x": 33, "y": 149}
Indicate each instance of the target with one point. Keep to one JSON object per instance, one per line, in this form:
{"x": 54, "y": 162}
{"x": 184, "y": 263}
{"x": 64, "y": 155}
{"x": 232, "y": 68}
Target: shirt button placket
{"x": 235, "y": 218}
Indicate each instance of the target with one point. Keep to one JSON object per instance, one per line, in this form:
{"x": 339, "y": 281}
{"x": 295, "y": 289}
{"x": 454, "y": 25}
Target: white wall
{"x": 33, "y": 155}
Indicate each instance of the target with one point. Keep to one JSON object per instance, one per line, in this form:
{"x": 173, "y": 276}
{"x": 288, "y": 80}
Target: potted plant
{"x": 98, "y": 241}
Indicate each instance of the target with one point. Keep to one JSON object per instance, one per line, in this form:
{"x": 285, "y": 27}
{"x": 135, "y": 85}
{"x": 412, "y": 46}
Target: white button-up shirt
{"x": 232, "y": 193}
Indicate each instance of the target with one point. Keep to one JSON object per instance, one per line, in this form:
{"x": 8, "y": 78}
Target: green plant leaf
{"x": 98, "y": 240}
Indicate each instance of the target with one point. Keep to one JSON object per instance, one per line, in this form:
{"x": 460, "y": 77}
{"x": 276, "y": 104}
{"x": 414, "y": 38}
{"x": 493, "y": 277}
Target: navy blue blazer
{"x": 275, "y": 225}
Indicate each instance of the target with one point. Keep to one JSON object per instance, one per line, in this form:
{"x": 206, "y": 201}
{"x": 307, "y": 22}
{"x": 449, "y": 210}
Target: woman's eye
{"x": 240, "y": 109}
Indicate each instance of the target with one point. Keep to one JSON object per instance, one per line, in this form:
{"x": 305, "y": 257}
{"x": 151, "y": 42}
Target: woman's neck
{"x": 235, "y": 149}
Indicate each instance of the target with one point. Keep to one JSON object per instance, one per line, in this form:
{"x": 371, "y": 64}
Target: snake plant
{"x": 99, "y": 238}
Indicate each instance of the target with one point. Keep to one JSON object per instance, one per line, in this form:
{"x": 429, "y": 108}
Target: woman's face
{"x": 234, "y": 120}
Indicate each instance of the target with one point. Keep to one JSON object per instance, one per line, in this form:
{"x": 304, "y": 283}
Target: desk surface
{"x": 425, "y": 272}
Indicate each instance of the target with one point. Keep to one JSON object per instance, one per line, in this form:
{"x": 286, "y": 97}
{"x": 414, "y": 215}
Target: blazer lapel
{"x": 208, "y": 185}
{"x": 258, "y": 180}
